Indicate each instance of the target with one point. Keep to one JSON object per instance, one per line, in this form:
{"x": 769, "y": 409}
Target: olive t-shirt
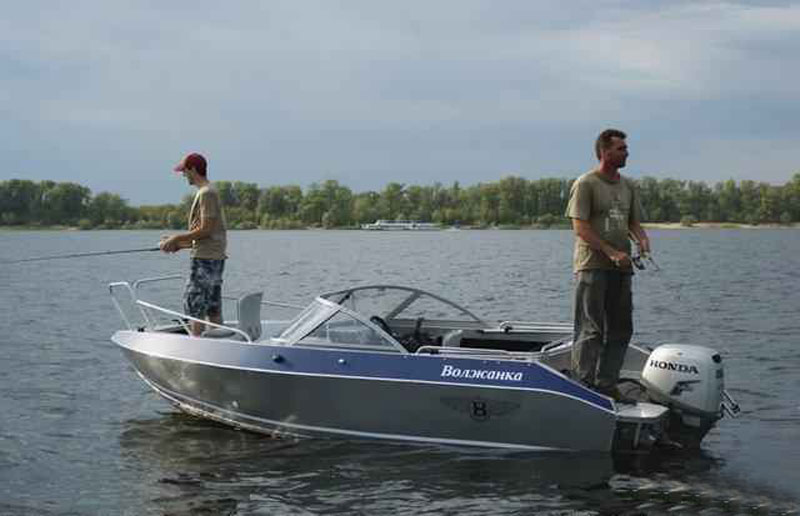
{"x": 207, "y": 205}
{"x": 610, "y": 206}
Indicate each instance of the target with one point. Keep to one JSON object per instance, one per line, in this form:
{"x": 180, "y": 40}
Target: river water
{"x": 80, "y": 433}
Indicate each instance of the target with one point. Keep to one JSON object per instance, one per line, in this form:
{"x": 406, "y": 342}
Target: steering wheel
{"x": 378, "y": 321}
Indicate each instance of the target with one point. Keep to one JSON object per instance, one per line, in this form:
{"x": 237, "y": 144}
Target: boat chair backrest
{"x": 248, "y": 310}
{"x": 248, "y": 314}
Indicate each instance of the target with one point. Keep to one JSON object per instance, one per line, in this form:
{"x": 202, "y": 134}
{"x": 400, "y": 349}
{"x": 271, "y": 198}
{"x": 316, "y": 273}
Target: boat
{"x": 401, "y": 225}
{"x": 401, "y": 364}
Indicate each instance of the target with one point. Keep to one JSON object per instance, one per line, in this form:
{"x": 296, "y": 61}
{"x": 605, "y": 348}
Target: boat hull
{"x": 331, "y": 393}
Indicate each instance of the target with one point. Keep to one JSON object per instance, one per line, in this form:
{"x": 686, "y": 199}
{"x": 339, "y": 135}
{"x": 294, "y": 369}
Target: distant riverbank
{"x": 647, "y": 225}
{"x": 716, "y": 225}
{"x": 39, "y": 228}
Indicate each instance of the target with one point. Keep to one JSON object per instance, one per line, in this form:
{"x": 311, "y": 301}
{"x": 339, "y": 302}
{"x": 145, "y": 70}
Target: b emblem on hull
{"x": 480, "y": 409}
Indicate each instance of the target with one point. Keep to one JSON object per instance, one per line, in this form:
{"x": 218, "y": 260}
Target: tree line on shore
{"x": 509, "y": 202}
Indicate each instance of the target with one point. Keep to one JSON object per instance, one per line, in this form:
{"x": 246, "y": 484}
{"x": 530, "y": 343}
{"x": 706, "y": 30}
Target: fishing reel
{"x": 639, "y": 258}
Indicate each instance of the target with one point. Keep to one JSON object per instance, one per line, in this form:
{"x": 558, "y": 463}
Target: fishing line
{"x": 656, "y": 272}
{"x": 644, "y": 262}
{"x": 79, "y": 255}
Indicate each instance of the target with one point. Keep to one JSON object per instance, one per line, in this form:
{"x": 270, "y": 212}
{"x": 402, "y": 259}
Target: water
{"x": 81, "y": 434}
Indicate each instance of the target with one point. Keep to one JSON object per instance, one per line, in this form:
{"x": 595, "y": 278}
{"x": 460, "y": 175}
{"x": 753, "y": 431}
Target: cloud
{"x": 370, "y": 92}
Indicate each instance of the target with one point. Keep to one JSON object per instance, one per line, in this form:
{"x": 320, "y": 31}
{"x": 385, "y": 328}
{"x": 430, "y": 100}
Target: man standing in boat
{"x": 605, "y": 209}
{"x": 207, "y": 238}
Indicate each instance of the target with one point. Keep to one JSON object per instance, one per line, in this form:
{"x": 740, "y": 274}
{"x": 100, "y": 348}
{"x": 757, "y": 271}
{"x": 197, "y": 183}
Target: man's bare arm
{"x": 640, "y": 236}
{"x": 184, "y": 240}
{"x": 584, "y": 230}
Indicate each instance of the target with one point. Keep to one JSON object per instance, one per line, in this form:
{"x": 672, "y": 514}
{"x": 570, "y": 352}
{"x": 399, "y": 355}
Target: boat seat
{"x": 248, "y": 315}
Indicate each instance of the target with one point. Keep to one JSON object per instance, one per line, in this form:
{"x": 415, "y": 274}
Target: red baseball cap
{"x": 195, "y": 161}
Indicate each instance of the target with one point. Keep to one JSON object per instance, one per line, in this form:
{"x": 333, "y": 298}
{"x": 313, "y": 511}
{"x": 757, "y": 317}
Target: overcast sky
{"x": 110, "y": 94}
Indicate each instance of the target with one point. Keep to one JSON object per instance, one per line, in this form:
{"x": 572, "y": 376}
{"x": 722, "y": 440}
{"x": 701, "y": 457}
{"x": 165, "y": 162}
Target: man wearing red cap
{"x": 207, "y": 239}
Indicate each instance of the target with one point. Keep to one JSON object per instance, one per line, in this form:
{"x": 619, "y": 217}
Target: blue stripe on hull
{"x": 360, "y": 364}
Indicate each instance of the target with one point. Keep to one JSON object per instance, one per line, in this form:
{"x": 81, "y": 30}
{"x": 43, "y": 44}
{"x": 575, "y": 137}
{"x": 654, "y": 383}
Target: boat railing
{"x": 529, "y": 326}
{"x": 183, "y": 319}
{"x": 476, "y": 352}
{"x": 149, "y": 312}
{"x": 138, "y": 284}
{"x": 282, "y": 305}
{"x": 133, "y": 293}
{"x": 122, "y": 313}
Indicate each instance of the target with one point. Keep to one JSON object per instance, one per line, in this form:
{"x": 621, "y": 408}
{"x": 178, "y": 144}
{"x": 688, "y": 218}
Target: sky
{"x": 111, "y": 94}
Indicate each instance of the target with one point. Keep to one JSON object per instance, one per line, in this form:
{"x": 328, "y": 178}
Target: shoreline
{"x": 717, "y": 225}
{"x": 646, "y": 225}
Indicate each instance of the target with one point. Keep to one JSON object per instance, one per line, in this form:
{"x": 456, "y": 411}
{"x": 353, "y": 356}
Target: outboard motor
{"x": 690, "y": 381}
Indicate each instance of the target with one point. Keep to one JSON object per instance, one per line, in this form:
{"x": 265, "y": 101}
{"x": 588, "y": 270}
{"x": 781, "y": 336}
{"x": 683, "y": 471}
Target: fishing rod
{"x": 80, "y": 255}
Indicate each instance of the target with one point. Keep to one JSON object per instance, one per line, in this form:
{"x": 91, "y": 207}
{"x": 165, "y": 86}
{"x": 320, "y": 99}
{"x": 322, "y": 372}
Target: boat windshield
{"x": 344, "y": 330}
{"x": 307, "y": 320}
{"x": 396, "y": 302}
{"x": 326, "y": 324}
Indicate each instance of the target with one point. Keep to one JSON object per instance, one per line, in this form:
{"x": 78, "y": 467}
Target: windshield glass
{"x": 325, "y": 324}
{"x": 307, "y": 320}
{"x": 344, "y": 330}
{"x": 393, "y": 302}
{"x": 371, "y": 302}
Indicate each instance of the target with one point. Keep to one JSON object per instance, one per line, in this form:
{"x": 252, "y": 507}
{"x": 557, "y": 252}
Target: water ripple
{"x": 77, "y": 420}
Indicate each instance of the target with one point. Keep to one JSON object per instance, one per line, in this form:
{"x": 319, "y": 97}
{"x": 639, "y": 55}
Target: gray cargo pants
{"x": 603, "y": 326}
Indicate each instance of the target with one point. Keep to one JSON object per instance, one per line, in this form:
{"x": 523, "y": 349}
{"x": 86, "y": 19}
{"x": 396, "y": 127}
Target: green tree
{"x": 66, "y": 203}
{"x": 651, "y": 199}
{"x": 108, "y": 209}
{"x": 490, "y": 203}
{"x": 749, "y": 202}
{"x": 512, "y": 199}
{"x": 729, "y": 201}
{"x": 366, "y": 207}
{"x": 393, "y": 203}
{"x": 245, "y": 195}
{"x": 18, "y": 201}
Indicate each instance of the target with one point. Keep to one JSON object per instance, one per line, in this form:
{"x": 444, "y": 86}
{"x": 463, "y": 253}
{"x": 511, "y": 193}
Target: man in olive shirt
{"x": 208, "y": 241}
{"x": 605, "y": 208}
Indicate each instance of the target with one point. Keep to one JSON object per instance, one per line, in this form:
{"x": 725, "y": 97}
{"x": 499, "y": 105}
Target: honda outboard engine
{"x": 690, "y": 381}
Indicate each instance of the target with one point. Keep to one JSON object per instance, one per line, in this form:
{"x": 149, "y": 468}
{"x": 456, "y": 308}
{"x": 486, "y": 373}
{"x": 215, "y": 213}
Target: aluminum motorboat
{"x": 401, "y": 364}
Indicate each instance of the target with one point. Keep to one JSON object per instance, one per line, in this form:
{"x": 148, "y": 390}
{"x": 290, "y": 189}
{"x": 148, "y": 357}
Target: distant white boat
{"x": 401, "y": 225}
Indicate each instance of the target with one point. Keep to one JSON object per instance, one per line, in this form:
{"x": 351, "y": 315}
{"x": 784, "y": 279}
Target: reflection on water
{"x": 250, "y": 472}
{"x": 200, "y": 466}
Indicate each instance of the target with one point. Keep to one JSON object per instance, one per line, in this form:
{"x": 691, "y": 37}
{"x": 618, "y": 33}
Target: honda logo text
{"x": 673, "y": 366}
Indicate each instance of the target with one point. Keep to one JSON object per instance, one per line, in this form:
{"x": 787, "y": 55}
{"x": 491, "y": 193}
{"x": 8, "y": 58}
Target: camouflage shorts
{"x": 203, "y": 296}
